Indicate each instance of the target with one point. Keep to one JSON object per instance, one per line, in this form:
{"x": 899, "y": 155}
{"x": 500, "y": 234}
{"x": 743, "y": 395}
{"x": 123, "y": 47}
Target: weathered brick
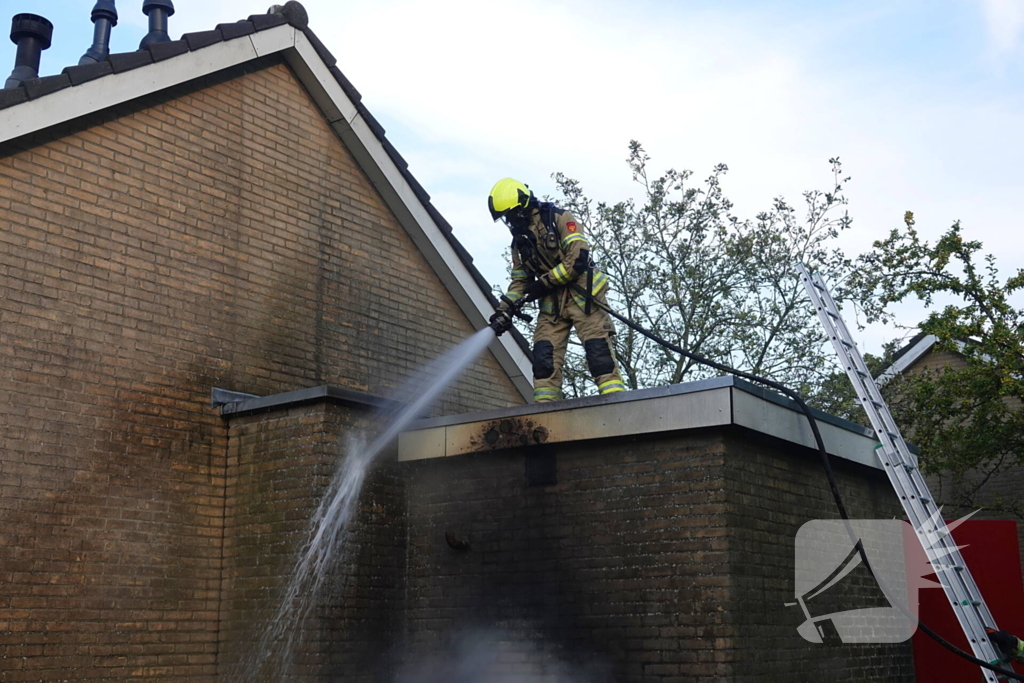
{"x": 210, "y": 240}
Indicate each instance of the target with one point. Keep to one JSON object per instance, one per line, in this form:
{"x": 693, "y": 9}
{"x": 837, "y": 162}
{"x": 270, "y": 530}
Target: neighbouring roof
{"x": 918, "y": 346}
{"x": 908, "y": 355}
{"x": 48, "y": 101}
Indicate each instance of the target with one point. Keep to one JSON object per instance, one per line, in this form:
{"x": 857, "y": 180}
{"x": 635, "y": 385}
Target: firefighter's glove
{"x": 501, "y": 322}
{"x": 536, "y": 290}
{"x": 1008, "y": 644}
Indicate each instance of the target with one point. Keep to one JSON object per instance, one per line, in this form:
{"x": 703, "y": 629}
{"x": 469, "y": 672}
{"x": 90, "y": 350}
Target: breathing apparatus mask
{"x": 517, "y": 220}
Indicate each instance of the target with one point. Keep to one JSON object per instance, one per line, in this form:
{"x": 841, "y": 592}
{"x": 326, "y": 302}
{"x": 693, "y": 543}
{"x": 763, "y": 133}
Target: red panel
{"x": 994, "y": 560}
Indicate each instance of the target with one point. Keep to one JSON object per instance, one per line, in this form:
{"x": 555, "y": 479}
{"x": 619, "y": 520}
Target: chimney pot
{"x": 104, "y": 18}
{"x": 105, "y": 9}
{"x": 32, "y": 34}
{"x": 158, "y": 11}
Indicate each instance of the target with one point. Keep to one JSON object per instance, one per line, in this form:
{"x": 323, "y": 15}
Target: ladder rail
{"x": 901, "y": 467}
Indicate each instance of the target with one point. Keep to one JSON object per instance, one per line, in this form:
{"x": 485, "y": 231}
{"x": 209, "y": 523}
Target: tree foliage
{"x": 686, "y": 267}
{"x": 966, "y": 420}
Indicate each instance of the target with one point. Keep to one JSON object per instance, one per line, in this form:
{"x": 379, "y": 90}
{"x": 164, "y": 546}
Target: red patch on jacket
{"x": 570, "y": 226}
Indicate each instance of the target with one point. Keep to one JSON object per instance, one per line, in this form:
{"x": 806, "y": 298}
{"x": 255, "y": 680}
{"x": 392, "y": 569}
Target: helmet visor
{"x": 516, "y": 219}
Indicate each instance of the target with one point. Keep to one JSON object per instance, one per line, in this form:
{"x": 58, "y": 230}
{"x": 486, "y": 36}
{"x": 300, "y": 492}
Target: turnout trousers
{"x": 551, "y": 338}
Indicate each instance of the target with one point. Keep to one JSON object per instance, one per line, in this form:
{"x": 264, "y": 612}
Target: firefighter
{"x": 551, "y": 263}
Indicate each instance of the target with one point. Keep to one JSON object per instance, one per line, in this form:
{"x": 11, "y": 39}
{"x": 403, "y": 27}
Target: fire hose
{"x": 514, "y": 310}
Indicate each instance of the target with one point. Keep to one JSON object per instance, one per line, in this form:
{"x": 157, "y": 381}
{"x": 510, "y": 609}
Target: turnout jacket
{"x": 554, "y": 250}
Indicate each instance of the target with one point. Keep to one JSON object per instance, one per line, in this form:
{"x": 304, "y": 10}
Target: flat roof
{"x": 716, "y": 402}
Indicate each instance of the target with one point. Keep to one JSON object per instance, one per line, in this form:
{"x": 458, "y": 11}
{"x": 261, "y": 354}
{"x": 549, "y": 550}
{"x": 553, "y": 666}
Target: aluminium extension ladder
{"x": 901, "y": 467}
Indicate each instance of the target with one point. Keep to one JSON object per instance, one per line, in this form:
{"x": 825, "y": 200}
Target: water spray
{"x": 325, "y": 546}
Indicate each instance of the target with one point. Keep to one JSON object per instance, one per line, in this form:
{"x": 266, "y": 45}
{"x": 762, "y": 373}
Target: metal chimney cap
{"x": 31, "y": 26}
{"x": 150, "y": 5}
{"x": 105, "y": 9}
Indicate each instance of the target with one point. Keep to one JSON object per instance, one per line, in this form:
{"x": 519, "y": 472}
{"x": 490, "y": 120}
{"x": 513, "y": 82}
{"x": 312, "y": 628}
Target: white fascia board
{"x": 908, "y": 359}
{"x": 634, "y": 414}
{"x": 768, "y": 417}
{"x": 273, "y": 40}
{"x": 432, "y": 243}
{"x": 320, "y": 82}
{"x": 108, "y": 91}
{"x": 403, "y": 202}
{"x": 625, "y": 416}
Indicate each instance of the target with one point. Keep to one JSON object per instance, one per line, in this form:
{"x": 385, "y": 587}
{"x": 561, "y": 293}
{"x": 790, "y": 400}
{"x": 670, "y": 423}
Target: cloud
{"x": 1005, "y": 20}
{"x": 471, "y": 92}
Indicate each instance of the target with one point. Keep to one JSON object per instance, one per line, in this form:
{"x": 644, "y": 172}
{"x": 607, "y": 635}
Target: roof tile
{"x": 421, "y": 193}
{"x": 378, "y": 130}
{"x": 441, "y": 221}
{"x": 395, "y": 156}
{"x": 126, "y": 61}
{"x": 461, "y": 251}
{"x": 346, "y": 84}
{"x": 39, "y": 87}
{"x": 83, "y": 73}
{"x": 261, "y": 22}
{"x": 201, "y": 39}
{"x": 162, "y": 51}
{"x": 320, "y": 48}
{"x": 236, "y": 29}
{"x": 9, "y": 98}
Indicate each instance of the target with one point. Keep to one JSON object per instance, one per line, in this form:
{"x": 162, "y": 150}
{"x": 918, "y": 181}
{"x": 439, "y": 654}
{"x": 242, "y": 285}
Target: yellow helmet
{"x": 507, "y": 196}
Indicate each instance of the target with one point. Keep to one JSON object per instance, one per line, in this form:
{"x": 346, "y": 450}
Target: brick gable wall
{"x": 656, "y": 559}
{"x": 219, "y": 237}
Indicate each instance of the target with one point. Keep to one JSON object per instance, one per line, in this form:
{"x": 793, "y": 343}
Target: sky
{"x": 922, "y": 100}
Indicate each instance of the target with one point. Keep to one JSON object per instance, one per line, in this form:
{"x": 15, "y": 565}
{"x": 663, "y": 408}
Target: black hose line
{"x": 833, "y": 485}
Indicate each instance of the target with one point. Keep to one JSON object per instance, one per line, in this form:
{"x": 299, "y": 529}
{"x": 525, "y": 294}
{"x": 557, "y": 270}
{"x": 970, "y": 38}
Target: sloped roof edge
{"x": 908, "y": 355}
{"x": 81, "y": 91}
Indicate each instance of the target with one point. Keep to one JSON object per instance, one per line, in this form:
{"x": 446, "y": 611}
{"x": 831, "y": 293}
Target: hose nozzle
{"x": 501, "y": 321}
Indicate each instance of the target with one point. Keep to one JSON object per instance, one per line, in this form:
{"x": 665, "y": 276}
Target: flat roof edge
{"x": 575, "y": 403}
{"x": 716, "y": 402}
{"x": 291, "y": 399}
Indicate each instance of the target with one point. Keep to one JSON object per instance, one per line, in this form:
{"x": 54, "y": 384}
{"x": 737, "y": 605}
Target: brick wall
{"x": 664, "y": 559}
{"x": 216, "y": 235}
{"x": 280, "y": 465}
{"x": 605, "y": 572}
{"x": 771, "y": 493}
